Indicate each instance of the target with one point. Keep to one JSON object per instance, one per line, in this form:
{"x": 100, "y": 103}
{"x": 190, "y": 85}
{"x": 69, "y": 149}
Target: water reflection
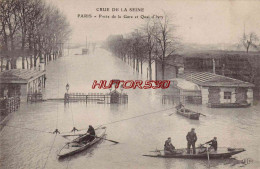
{"x": 28, "y": 149}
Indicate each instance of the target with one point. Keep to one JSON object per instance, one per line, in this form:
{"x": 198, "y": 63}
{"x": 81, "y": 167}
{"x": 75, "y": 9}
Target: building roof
{"x": 19, "y": 75}
{"x": 211, "y": 79}
{"x": 184, "y": 84}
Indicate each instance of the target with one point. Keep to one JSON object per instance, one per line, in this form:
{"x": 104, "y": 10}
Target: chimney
{"x": 214, "y": 66}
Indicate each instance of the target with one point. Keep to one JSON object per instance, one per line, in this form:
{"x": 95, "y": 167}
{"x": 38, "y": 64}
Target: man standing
{"x": 191, "y": 139}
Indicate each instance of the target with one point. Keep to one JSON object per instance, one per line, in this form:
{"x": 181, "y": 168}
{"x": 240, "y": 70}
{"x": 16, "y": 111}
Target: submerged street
{"x": 23, "y": 148}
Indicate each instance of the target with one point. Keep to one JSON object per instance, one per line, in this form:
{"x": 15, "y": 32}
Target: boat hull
{"x": 188, "y": 113}
{"x": 72, "y": 148}
{"x": 229, "y": 105}
{"x": 182, "y": 153}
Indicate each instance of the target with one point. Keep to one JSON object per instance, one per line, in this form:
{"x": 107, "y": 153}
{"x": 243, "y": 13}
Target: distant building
{"x": 186, "y": 91}
{"x": 235, "y": 64}
{"x": 173, "y": 66}
{"x": 218, "y": 89}
{"x": 20, "y": 82}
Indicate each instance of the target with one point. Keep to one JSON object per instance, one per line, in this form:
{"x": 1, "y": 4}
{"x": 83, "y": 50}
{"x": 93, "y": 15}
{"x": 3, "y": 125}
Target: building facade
{"x": 218, "y": 89}
{"x": 21, "y": 82}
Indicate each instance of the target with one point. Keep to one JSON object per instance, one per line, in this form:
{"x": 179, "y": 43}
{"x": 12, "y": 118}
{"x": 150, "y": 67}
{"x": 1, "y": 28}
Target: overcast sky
{"x": 204, "y": 22}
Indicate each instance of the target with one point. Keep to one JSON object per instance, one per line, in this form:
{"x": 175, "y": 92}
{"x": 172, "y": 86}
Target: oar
{"x": 202, "y": 114}
{"x": 107, "y": 139}
{"x": 171, "y": 114}
{"x": 91, "y": 135}
{"x": 208, "y": 155}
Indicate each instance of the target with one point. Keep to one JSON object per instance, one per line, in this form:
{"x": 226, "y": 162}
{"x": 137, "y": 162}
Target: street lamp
{"x": 67, "y": 87}
{"x": 121, "y": 88}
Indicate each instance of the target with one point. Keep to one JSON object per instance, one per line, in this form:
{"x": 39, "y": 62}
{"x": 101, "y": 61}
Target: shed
{"x": 218, "y": 89}
{"x": 20, "y": 82}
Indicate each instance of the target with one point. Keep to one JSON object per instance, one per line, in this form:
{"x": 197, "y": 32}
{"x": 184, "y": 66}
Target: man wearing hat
{"x": 168, "y": 147}
{"x": 191, "y": 139}
{"x": 90, "y": 134}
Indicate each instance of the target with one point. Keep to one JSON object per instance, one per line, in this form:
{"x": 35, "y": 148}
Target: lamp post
{"x": 121, "y": 88}
{"x": 67, "y": 87}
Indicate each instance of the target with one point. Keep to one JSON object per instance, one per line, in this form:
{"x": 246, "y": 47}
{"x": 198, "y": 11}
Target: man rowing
{"x": 180, "y": 106}
{"x": 90, "y": 135}
{"x": 168, "y": 147}
{"x": 191, "y": 139}
{"x": 213, "y": 143}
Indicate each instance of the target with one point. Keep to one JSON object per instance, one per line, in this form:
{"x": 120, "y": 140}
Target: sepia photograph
{"x": 119, "y": 84}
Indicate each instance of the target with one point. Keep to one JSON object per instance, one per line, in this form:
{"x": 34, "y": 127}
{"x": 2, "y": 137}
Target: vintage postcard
{"x": 109, "y": 84}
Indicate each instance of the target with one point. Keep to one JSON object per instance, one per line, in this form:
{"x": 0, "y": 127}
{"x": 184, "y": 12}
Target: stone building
{"x": 218, "y": 89}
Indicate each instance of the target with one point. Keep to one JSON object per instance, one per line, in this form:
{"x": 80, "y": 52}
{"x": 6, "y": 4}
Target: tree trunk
{"x": 2, "y": 60}
{"x": 150, "y": 66}
{"x": 134, "y": 63}
{"x": 163, "y": 67}
{"x": 31, "y": 62}
{"x": 141, "y": 67}
{"x": 156, "y": 70}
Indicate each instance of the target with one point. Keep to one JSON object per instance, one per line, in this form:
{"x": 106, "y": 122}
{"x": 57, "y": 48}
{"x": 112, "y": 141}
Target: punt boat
{"x": 229, "y": 105}
{"x": 201, "y": 153}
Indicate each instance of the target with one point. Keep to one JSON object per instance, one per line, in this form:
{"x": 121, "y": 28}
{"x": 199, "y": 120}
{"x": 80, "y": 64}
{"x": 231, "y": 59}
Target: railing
{"x": 35, "y": 97}
{"x": 9, "y": 105}
{"x": 171, "y": 99}
{"x": 99, "y": 98}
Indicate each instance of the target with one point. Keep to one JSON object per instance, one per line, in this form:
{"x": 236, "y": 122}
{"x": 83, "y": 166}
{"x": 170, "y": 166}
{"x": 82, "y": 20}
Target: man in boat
{"x": 180, "y": 106}
{"x": 168, "y": 145}
{"x": 90, "y": 134}
{"x": 213, "y": 143}
{"x": 191, "y": 139}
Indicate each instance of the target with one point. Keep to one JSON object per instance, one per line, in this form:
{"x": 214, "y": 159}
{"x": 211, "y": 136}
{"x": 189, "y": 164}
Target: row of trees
{"x": 154, "y": 41}
{"x": 30, "y": 29}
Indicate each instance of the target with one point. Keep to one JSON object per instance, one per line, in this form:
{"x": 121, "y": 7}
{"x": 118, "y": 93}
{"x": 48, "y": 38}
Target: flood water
{"x": 26, "y": 149}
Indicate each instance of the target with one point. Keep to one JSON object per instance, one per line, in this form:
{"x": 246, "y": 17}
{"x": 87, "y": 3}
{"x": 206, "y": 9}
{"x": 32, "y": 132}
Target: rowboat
{"x": 229, "y": 105}
{"x": 188, "y": 113}
{"x": 75, "y": 146}
{"x": 201, "y": 153}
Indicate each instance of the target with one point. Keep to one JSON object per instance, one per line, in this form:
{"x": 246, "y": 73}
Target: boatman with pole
{"x": 191, "y": 139}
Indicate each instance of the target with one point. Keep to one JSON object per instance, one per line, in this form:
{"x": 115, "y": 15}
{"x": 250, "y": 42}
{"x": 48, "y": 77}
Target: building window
{"x": 227, "y": 95}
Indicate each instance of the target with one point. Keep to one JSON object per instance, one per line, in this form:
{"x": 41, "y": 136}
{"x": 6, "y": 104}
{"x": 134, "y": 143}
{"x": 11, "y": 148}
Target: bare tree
{"x": 149, "y": 31}
{"x": 32, "y": 26}
{"x": 166, "y": 42}
{"x": 250, "y": 40}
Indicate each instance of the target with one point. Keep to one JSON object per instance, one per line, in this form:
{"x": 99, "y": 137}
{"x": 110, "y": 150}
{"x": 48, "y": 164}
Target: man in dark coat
{"x": 213, "y": 143}
{"x": 90, "y": 134}
{"x": 168, "y": 145}
{"x": 191, "y": 139}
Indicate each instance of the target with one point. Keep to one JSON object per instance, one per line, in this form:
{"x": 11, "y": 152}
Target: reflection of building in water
{"x": 20, "y": 82}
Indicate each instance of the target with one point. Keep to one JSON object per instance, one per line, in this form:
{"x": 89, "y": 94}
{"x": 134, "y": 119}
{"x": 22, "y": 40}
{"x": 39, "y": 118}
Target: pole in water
{"x": 208, "y": 156}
